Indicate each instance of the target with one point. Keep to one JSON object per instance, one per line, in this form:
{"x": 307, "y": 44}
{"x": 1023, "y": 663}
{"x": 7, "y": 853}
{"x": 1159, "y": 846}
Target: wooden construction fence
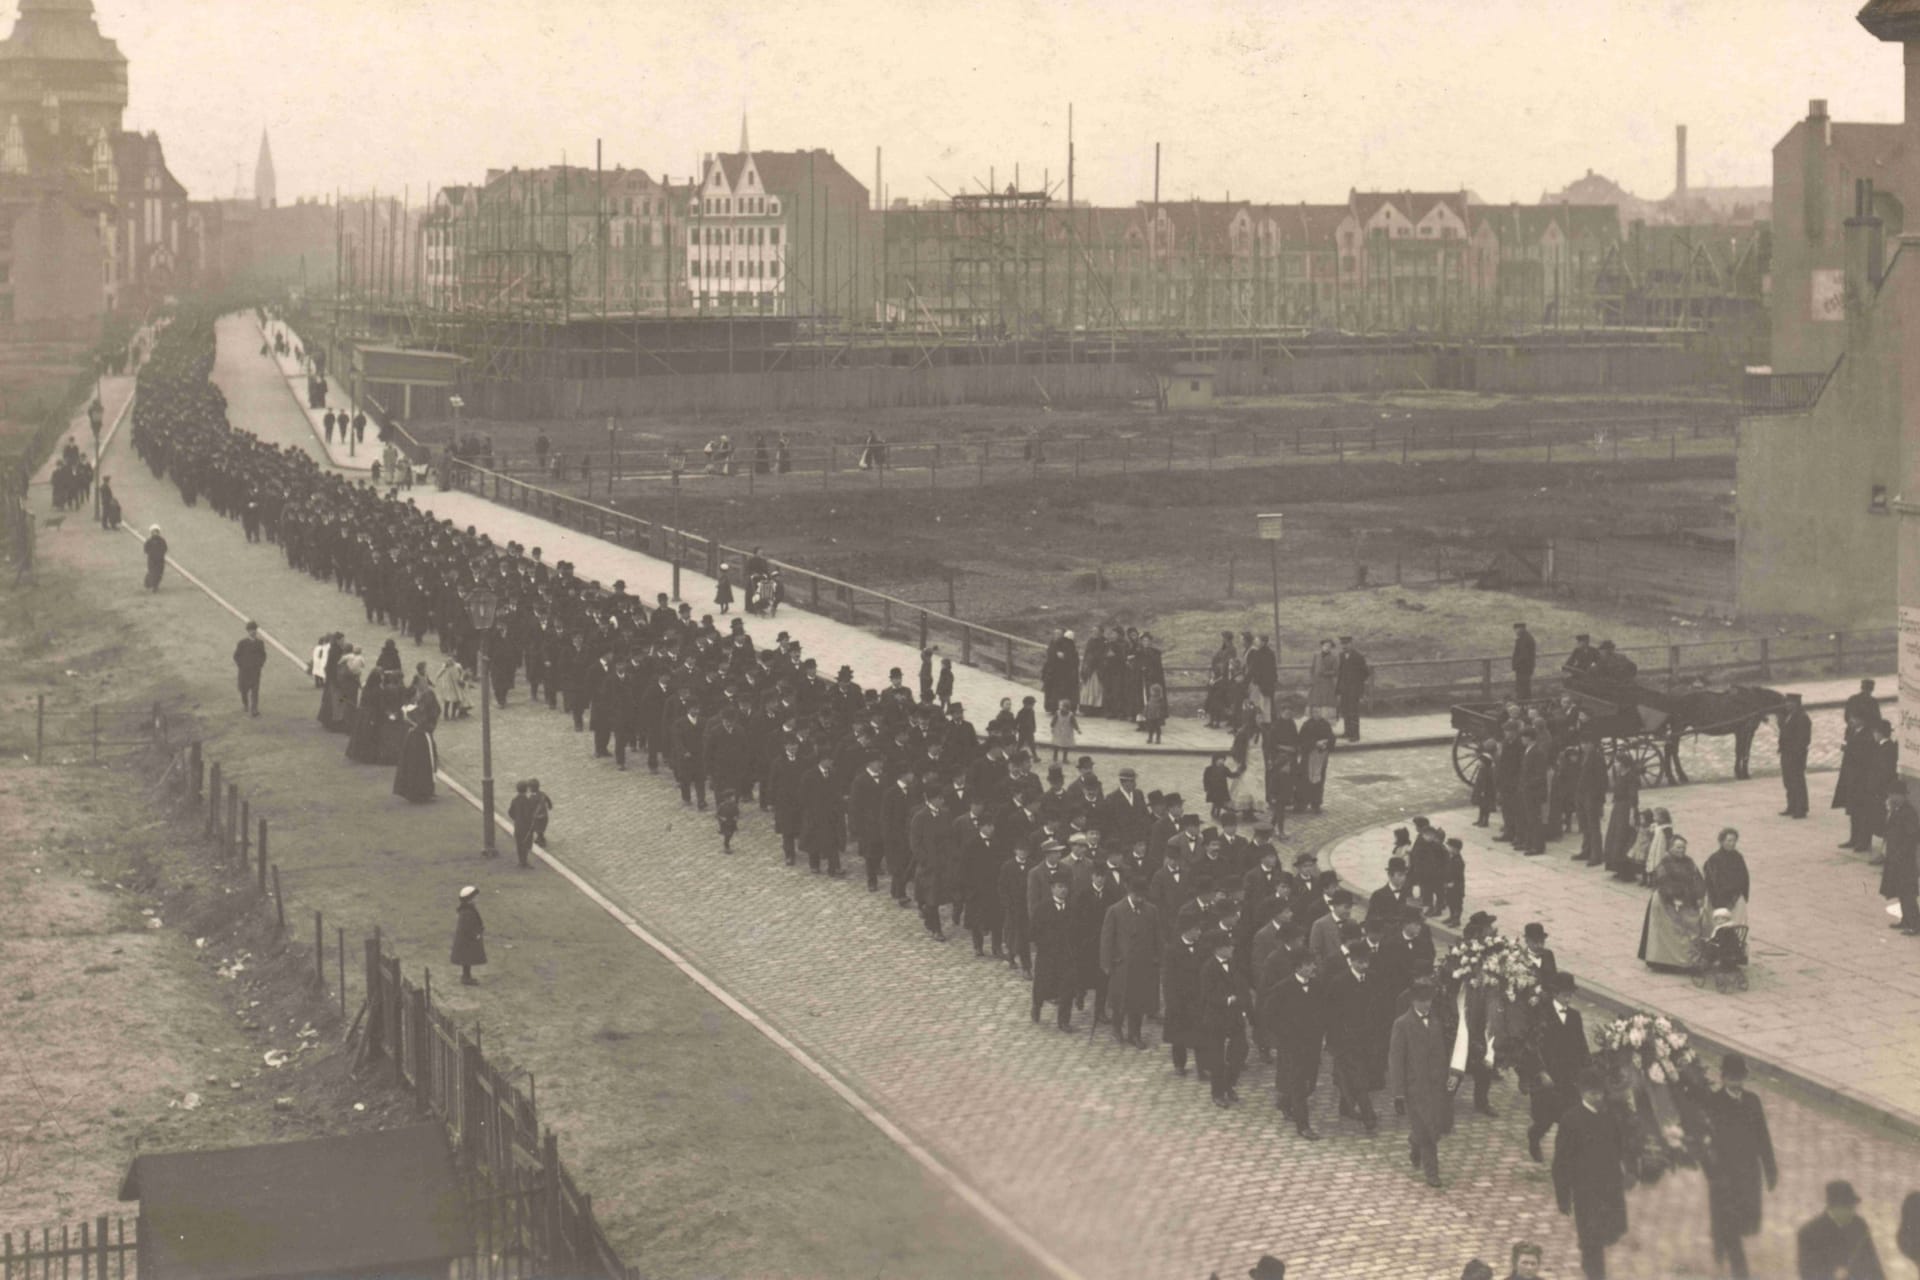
{"x": 103, "y": 1249}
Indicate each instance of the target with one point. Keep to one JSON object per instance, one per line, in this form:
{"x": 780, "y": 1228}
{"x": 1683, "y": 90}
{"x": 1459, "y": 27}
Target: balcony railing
{"x": 1771, "y": 393}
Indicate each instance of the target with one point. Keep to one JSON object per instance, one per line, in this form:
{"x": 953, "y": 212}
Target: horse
{"x": 1716, "y": 713}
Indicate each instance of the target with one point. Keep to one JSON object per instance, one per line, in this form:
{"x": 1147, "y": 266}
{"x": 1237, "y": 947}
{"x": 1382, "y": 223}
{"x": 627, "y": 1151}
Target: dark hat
{"x": 1268, "y": 1268}
{"x": 1380, "y": 921}
{"x": 1606, "y": 644}
{"x": 1793, "y": 697}
{"x": 1342, "y": 898}
{"x": 1480, "y": 920}
{"x": 1560, "y": 984}
{"x": 1055, "y": 771}
{"x": 1583, "y": 637}
{"x": 1174, "y": 797}
{"x": 1733, "y": 1067}
{"x": 1396, "y": 864}
{"x": 1084, "y": 762}
{"x": 1422, "y": 987}
{"x": 1128, "y": 773}
{"x": 1519, "y": 625}
{"x": 1421, "y": 824}
{"x": 1154, "y": 797}
{"x": 1262, "y": 830}
{"x": 1401, "y": 836}
{"x": 1305, "y": 855}
{"x": 1591, "y": 1078}
{"x": 1535, "y": 932}
{"x": 1840, "y": 1195}
{"x": 1189, "y": 820}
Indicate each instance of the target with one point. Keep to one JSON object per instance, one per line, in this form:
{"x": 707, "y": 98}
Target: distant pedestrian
{"x": 359, "y": 426}
{"x": 1417, "y": 1056}
{"x": 1524, "y": 657}
{"x": 1025, "y": 726}
{"x": 250, "y": 657}
{"x": 1742, "y": 1158}
{"x": 943, "y": 689}
{"x": 723, "y": 589}
{"x": 1796, "y": 739}
{"x": 1589, "y": 1166}
{"x": 726, "y": 813}
{"x": 469, "y": 933}
{"x": 156, "y": 549}
{"x": 327, "y": 422}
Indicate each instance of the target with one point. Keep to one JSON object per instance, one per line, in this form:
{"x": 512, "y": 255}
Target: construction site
{"x": 777, "y": 280}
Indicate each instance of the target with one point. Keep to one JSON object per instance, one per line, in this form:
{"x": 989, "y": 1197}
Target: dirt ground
{"x": 142, "y": 991}
{"x": 707, "y": 1151}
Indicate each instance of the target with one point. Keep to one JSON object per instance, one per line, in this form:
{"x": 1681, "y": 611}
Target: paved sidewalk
{"x": 340, "y": 451}
{"x": 116, "y": 398}
{"x": 1834, "y": 994}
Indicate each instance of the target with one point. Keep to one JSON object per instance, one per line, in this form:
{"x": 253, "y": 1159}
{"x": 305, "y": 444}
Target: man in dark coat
{"x": 1060, "y": 671}
{"x": 1837, "y": 1245}
{"x": 929, "y": 833}
{"x": 1122, "y": 813}
{"x": 1180, "y": 986}
{"x": 688, "y": 744}
{"x": 899, "y": 802}
{"x": 1862, "y": 706}
{"x": 1131, "y": 944}
{"x": 787, "y": 788}
{"x": 1263, "y": 668}
{"x": 1589, "y": 1169}
{"x": 1089, "y": 904}
{"x": 1417, "y": 1056}
{"x": 1590, "y": 800}
{"x": 1742, "y": 1157}
{"x": 823, "y": 820}
{"x": 469, "y": 937}
{"x": 1796, "y": 739}
{"x": 866, "y": 817}
{"x": 1349, "y": 683}
{"x": 1053, "y": 976}
{"x": 1014, "y": 921}
{"x": 1523, "y": 661}
{"x": 1350, "y": 1008}
{"x": 1224, "y": 1003}
{"x": 1563, "y": 1056}
{"x": 250, "y": 657}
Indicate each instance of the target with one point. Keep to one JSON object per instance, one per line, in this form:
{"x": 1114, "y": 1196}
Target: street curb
{"x": 1903, "y": 1123}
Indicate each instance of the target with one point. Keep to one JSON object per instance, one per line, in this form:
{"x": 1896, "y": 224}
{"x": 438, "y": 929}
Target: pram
{"x": 1720, "y": 958}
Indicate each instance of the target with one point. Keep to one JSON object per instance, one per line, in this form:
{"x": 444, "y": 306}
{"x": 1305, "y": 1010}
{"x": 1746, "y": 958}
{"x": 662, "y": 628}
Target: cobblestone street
{"x": 1117, "y": 1165}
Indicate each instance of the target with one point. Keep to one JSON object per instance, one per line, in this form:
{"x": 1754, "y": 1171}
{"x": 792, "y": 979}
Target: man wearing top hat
{"x": 1742, "y": 1160}
{"x": 1796, "y": 739}
{"x": 1563, "y": 1056}
{"x": 1225, "y": 1000}
{"x": 1349, "y": 683}
{"x": 1590, "y": 1163}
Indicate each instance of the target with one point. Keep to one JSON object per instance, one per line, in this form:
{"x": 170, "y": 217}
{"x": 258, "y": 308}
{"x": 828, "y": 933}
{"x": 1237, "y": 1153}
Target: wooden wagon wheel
{"x": 1642, "y": 755}
{"x": 1468, "y": 759}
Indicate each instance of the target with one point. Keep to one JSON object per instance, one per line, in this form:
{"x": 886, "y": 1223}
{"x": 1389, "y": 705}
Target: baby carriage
{"x": 1720, "y": 958}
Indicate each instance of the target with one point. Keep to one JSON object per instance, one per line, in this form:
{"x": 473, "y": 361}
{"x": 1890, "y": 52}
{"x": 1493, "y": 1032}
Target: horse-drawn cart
{"x": 1629, "y": 730}
{"x": 1636, "y": 724}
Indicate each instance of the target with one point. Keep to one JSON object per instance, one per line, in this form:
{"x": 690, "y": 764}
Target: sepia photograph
{"x": 1027, "y": 640}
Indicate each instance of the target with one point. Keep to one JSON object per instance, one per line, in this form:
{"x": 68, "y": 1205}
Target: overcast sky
{"x": 1268, "y": 99}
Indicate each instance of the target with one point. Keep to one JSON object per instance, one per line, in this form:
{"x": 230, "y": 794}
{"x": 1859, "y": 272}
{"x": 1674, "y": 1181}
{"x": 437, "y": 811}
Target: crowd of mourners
{"x": 1112, "y": 901}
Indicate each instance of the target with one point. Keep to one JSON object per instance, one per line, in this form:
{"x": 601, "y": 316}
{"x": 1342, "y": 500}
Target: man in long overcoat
{"x": 1563, "y": 1056}
{"x": 1742, "y": 1157}
{"x": 1180, "y": 981}
{"x": 823, "y": 820}
{"x": 866, "y": 817}
{"x": 1060, "y": 671}
{"x": 929, "y": 832}
{"x": 1589, "y": 1167}
{"x": 787, "y": 787}
{"x": 1417, "y": 1057}
{"x": 1224, "y": 1001}
{"x": 1294, "y": 1016}
{"x": 1131, "y": 942}
{"x": 1350, "y": 1001}
{"x": 1053, "y": 976}
{"x": 1900, "y": 876}
{"x": 1796, "y": 740}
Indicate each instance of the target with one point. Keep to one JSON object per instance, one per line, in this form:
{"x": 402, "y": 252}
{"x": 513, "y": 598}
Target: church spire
{"x": 265, "y": 192}
{"x": 743, "y": 133}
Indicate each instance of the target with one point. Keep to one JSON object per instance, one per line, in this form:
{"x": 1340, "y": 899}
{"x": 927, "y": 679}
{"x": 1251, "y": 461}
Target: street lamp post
{"x": 96, "y": 415}
{"x": 1270, "y": 525}
{"x": 613, "y": 462}
{"x": 676, "y": 461}
{"x": 482, "y": 607}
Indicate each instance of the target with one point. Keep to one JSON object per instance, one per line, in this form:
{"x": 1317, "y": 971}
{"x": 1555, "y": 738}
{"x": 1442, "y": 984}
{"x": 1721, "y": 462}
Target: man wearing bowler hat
{"x": 1742, "y": 1160}
{"x": 1523, "y": 661}
{"x": 1563, "y": 1056}
{"x": 1837, "y": 1245}
{"x": 1589, "y": 1168}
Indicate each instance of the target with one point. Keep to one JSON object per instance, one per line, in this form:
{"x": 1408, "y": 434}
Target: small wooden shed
{"x": 1187, "y": 385}
{"x": 384, "y": 1204}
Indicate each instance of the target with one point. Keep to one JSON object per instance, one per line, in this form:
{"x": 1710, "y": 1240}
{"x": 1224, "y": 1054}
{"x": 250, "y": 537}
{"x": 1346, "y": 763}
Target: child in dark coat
{"x": 1456, "y": 881}
{"x": 726, "y": 812}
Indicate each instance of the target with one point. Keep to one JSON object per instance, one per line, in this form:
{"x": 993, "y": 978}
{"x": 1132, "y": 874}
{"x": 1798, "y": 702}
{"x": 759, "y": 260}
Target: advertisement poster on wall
{"x": 1907, "y": 717}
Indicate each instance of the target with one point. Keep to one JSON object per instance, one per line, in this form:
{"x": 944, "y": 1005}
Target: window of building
{"x": 773, "y": 234}
{"x": 693, "y": 267}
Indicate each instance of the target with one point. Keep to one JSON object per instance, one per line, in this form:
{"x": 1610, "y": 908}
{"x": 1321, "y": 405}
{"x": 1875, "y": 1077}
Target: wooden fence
{"x": 529, "y": 1216}
{"x": 80, "y": 734}
{"x": 104, "y": 1249}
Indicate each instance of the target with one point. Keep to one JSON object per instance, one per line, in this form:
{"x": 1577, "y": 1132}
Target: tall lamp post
{"x": 482, "y": 607}
{"x": 677, "y": 461}
{"x": 613, "y": 463}
{"x": 1269, "y": 524}
{"x": 96, "y": 415}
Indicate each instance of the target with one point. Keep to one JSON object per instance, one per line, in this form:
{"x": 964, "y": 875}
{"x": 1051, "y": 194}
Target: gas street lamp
{"x": 482, "y": 609}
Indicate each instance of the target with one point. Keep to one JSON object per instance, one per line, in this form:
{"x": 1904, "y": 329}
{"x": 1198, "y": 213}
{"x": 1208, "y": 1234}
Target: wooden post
{"x": 233, "y": 820}
{"x": 246, "y": 826}
{"x": 260, "y": 855}
{"x": 1766, "y": 658}
{"x": 96, "y": 734}
{"x": 966, "y": 645}
{"x": 815, "y": 580}
{"x": 213, "y": 801}
{"x": 1299, "y": 440}
{"x": 1486, "y": 678}
{"x": 1673, "y": 665}
{"x": 100, "y": 1247}
{"x": 923, "y": 628}
{"x": 197, "y": 768}
{"x": 279, "y": 901}
{"x": 550, "y": 1186}
{"x": 833, "y": 458}
{"x": 376, "y": 1016}
{"x": 340, "y": 951}
{"x": 319, "y": 951}
{"x": 39, "y": 730}
{"x": 1230, "y": 560}
{"x": 1549, "y": 446}
{"x": 1010, "y": 672}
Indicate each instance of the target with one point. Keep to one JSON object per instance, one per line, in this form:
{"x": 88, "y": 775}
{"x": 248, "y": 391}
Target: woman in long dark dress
{"x": 1729, "y": 887}
{"x": 1673, "y": 911}
{"x": 391, "y": 736}
{"x": 469, "y": 937}
{"x": 413, "y": 779}
{"x": 370, "y": 711}
{"x": 1621, "y": 831}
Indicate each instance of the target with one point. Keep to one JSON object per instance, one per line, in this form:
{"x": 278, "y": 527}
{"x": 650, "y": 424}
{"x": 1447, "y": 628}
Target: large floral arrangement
{"x": 1495, "y": 982}
{"x": 1658, "y": 1085}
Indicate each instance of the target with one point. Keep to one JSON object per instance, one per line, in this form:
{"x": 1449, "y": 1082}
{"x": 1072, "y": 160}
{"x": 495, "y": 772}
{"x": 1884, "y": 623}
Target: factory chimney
{"x": 1680, "y": 164}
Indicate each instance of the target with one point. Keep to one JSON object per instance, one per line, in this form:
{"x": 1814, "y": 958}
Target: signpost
{"x": 677, "y": 462}
{"x": 1269, "y": 526}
